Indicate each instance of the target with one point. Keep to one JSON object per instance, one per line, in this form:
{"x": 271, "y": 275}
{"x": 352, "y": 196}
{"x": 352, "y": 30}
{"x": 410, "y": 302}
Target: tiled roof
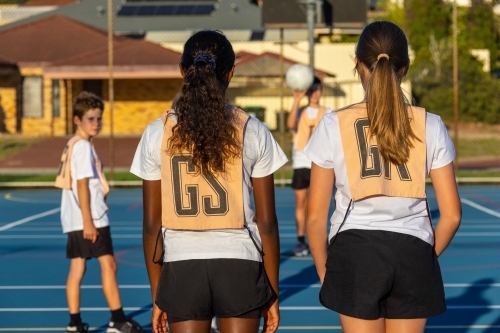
{"x": 57, "y": 41}
{"x": 266, "y": 64}
{"x": 48, "y": 2}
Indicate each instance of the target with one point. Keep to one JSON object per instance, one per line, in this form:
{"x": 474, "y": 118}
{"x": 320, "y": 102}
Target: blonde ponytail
{"x": 383, "y": 48}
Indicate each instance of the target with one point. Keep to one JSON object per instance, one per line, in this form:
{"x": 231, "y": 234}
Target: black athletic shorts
{"x": 79, "y": 247}
{"x": 199, "y": 289}
{"x": 301, "y": 178}
{"x": 382, "y": 274}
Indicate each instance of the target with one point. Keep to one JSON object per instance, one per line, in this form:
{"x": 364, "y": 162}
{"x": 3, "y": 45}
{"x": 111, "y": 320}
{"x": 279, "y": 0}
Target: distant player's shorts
{"x": 301, "y": 178}
{"x": 199, "y": 289}
{"x": 382, "y": 274}
{"x": 78, "y": 247}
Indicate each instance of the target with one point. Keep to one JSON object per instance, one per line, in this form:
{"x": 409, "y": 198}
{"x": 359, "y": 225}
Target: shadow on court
{"x": 133, "y": 314}
{"x": 305, "y": 277}
{"x": 456, "y": 316}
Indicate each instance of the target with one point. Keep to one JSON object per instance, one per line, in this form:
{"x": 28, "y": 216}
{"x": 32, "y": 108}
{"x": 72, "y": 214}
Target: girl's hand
{"x": 159, "y": 320}
{"x": 271, "y": 314}
{"x": 299, "y": 94}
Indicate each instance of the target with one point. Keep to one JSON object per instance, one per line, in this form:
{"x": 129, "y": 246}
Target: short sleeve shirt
{"x": 262, "y": 156}
{"x": 83, "y": 165}
{"x": 299, "y": 159}
{"x": 396, "y": 214}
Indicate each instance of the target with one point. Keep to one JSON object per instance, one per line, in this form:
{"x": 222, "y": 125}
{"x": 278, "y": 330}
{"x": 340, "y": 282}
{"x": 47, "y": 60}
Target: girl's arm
{"x": 318, "y": 204}
{"x": 450, "y": 209}
{"x": 151, "y": 243}
{"x": 292, "y": 116}
{"x": 267, "y": 223}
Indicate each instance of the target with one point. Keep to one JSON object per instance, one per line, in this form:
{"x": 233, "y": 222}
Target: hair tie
{"x": 382, "y": 55}
{"x": 203, "y": 57}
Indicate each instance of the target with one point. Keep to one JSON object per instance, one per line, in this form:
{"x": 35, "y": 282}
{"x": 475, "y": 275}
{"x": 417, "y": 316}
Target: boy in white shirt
{"x": 84, "y": 216}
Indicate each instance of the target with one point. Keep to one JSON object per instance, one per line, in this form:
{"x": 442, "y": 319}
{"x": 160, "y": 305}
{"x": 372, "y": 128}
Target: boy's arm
{"x": 89, "y": 230}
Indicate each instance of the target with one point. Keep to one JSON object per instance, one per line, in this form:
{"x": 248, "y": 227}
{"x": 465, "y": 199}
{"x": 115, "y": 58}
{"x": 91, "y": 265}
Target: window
{"x": 32, "y": 97}
{"x": 93, "y": 86}
{"x": 56, "y": 99}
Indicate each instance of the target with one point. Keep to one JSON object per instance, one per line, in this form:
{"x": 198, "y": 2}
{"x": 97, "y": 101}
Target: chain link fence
{"x": 36, "y": 114}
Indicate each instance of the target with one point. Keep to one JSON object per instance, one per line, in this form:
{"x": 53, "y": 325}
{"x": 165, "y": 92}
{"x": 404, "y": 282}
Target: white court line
{"x": 29, "y": 218}
{"x": 139, "y": 236}
{"x": 281, "y": 328}
{"x": 146, "y": 286}
{"x": 99, "y": 309}
{"x": 479, "y": 207}
{"x": 125, "y": 236}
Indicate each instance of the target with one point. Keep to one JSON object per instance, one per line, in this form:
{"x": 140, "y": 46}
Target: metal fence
{"x": 30, "y": 146}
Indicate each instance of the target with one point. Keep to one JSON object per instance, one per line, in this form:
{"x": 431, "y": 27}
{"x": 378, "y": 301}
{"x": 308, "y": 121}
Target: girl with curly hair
{"x": 200, "y": 163}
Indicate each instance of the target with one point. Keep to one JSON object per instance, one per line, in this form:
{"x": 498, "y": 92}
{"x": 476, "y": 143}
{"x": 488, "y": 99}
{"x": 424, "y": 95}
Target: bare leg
{"x": 190, "y": 326}
{"x": 355, "y": 325}
{"x": 75, "y": 276}
{"x": 109, "y": 281}
{"x": 300, "y": 211}
{"x": 405, "y": 325}
{"x": 239, "y": 325}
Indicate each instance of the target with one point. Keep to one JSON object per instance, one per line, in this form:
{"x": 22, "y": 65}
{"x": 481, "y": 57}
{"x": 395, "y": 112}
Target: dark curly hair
{"x": 205, "y": 124}
{"x": 86, "y": 101}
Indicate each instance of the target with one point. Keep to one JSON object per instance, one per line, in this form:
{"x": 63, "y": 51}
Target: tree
{"x": 424, "y": 18}
{"x": 428, "y": 28}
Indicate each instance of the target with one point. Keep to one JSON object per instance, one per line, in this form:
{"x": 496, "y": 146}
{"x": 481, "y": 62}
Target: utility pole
{"x": 111, "y": 93}
{"x": 282, "y": 107}
{"x": 312, "y": 8}
{"x": 455, "y": 84}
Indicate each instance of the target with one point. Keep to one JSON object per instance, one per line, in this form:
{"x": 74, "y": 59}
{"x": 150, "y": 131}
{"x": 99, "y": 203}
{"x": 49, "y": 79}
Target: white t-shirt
{"x": 262, "y": 156}
{"x": 299, "y": 159}
{"x": 397, "y": 214}
{"x": 83, "y": 165}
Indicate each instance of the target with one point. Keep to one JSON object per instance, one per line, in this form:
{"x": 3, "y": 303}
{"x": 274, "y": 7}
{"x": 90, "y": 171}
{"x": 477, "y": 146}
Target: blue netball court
{"x": 33, "y": 267}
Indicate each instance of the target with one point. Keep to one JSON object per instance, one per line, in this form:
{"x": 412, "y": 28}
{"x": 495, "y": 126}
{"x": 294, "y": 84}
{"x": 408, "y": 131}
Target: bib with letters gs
{"x": 194, "y": 200}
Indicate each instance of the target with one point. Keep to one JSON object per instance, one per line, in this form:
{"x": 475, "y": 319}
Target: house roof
{"x": 33, "y": 3}
{"x": 59, "y": 44}
{"x": 228, "y": 15}
{"x": 266, "y": 64}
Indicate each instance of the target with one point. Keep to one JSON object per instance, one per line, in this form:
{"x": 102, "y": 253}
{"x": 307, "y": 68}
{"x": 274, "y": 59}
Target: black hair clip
{"x": 203, "y": 57}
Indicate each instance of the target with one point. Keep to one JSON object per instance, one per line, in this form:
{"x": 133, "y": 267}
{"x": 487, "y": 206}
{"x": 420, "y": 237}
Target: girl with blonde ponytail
{"x": 380, "y": 270}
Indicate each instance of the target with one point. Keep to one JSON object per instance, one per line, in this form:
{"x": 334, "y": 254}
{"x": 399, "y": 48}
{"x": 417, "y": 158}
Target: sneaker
{"x": 300, "y": 250}
{"x": 214, "y": 326}
{"x": 82, "y": 328}
{"x": 130, "y": 326}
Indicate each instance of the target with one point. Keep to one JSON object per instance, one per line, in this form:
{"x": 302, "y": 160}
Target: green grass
{"x": 11, "y": 145}
{"x": 119, "y": 176}
{"x": 478, "y": 148}
{"x": 468, "y": 149}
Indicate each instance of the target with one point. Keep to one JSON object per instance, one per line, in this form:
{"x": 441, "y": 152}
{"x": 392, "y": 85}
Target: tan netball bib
{"x": 306, "y": 127}
{"x": 194, "y": 200}
{"x": 368, "y": 174}
{"x": 63, "y": 179}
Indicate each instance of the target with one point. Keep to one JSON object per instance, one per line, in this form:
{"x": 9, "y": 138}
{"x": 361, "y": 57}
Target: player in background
{"x": 380, "y": 270}
{"x": 84, "y": 216}
{"x": 200, "y": 163}
{"x": 303, "y": 121}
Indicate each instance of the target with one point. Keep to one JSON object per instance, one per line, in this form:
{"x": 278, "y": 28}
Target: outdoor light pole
{"x": 111, "y": 92}
{"x": 310, "y": 10}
